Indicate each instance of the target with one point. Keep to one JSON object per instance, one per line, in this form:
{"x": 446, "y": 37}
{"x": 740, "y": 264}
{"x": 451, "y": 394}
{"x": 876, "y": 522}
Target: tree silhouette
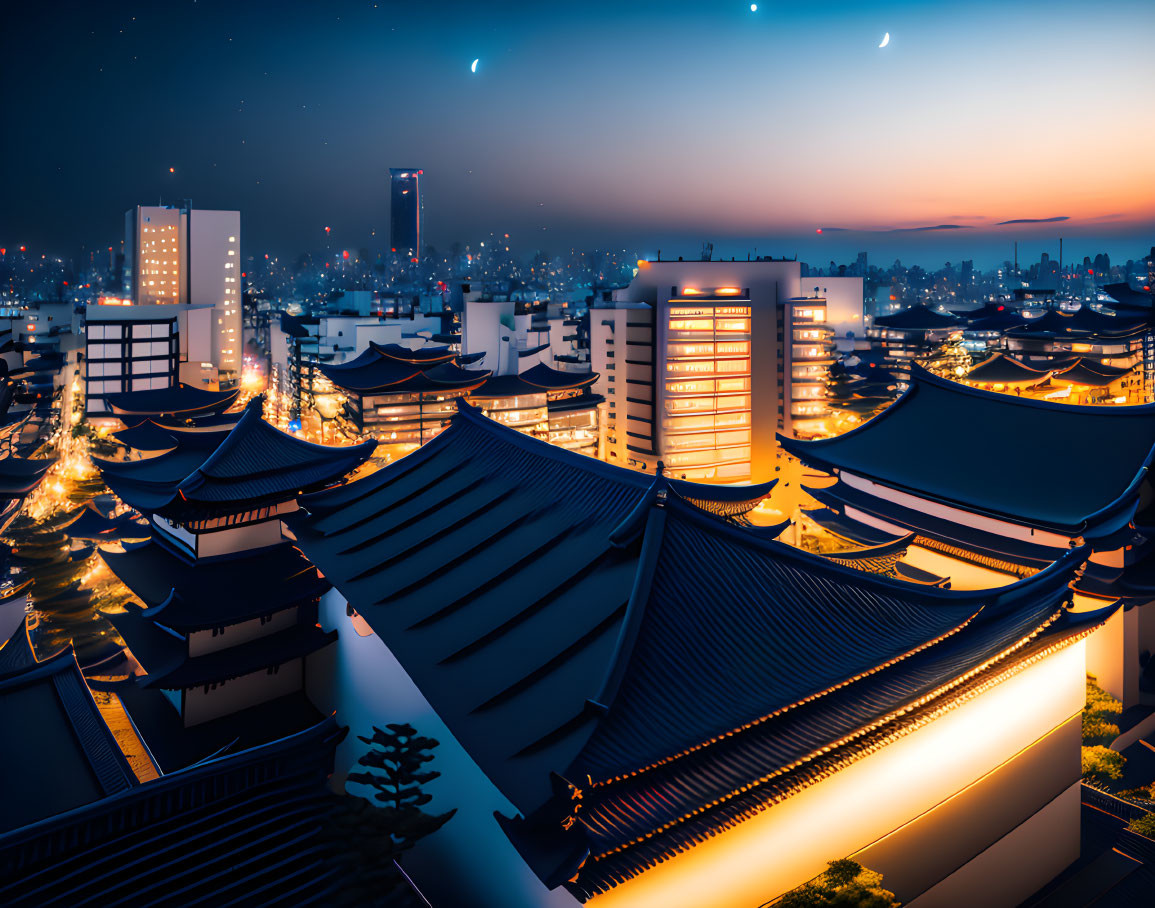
{"x": 395, "y": 761}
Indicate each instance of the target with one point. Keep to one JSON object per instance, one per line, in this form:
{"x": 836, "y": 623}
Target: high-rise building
{"x": 405, "y": 211}
{"x": 702, "y": 363}
{"x": 175, "y": 254}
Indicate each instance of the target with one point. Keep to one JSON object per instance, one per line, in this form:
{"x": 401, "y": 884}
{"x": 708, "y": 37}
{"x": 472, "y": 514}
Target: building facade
{"x": 405, "y": 212}
{"x": 178, "y": 254}
{"x": 702, "y": 363}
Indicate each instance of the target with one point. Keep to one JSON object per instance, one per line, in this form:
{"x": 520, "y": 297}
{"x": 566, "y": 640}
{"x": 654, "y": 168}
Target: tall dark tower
{"x": 405, "y": 211}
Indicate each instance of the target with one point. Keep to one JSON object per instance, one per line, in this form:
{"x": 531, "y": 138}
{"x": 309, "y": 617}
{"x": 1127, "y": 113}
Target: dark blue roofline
{"x": 810, "y": 451}
{"x": 1050, "y": 579}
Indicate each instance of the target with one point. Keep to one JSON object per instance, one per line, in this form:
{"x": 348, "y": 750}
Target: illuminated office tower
{"x": 178, "y": 254}
{"x": 405, "y": 211}
{"x": 703, "y": 363}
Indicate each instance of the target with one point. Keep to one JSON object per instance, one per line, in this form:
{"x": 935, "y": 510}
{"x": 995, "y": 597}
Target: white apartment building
{"x": 140, "y": 348}
{"x": 702, "y": 363}
{"x": 180, "y": 254}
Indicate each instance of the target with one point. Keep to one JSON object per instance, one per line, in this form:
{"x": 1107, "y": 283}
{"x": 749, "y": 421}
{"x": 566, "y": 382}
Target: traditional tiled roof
{"x": 538, "y": 380}
{"x": 146, "y": 436}
{"x": 1002, "y": 369}
{"x": 256, "y": 464}
{"x": 585, "y": 629}
{"x": 387, "y": 375}
{"x": 187, "y": 596}
{"x": 181, "y": 400}
{"x": 482, "y": 544}
{"x": 56, "y": 749}
{"x": 19, "y": 476}
{"x": 1089, "y": 373}
{"x": 634, "y": 816}
{"x": 90, "y": 523}
{"x": 919, "y": 318}
{"x": 1133, "y": 299}
{"x": 994, "y": 454}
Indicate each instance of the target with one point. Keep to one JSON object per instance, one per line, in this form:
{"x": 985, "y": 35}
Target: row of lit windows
{"x": 707, "y": 311}
{"x": 733, "y": 420}
{"x": 722, "y": 348}
{"x": 708, "y": 458}
{"x": 708, "y": 404}
{"x": 708, "y": 441}
{"x": 721, "y": 326}
{"x": 707, "y": 366}
{"x": 708, "y": 386}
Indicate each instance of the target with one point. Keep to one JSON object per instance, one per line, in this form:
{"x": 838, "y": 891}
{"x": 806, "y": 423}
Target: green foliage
{"x": 395, "y": 761}
{"x": 1144, "y": 825}
{"x": 845, "y": 884}
{"x": 1100, "y": 715}
{"x": 1101, "y": 764}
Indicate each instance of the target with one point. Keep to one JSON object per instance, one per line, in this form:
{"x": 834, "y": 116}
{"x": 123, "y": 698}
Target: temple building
{"x": 228, "y": 617}
{"x": 914, "y": 334}
{"x": 1121, "y": 341}
{"x": 549, "y": 404}
{"x": 403, "y": 396}
{"x": 986, "y": 326}
{"x": 84, "y": 825}
{"x": 647, "y": 695}
{"x": 1003, "y": 501}
{"x": 999, "y": 372}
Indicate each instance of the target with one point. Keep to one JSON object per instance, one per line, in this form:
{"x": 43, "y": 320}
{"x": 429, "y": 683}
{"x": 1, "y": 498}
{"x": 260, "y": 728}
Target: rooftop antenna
{"x": 1016, "y": 256}
{"x": 1060, "y": 258}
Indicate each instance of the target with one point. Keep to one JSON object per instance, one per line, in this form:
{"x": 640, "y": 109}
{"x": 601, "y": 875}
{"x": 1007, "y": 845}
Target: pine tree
{"x": 394, "y": 761}
{"x": 365, "y": 840}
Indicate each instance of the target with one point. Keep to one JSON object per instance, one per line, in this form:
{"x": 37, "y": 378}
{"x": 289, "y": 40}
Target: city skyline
{"x": 657, "y": 126}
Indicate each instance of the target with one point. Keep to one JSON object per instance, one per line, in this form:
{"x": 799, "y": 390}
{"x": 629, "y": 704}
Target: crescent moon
{"x": 885, "y": 40}
{"x": 473, "y": 65}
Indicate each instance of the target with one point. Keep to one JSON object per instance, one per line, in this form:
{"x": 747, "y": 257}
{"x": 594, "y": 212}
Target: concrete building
{"x": 175, "y": 254}
{"x": 696, "y": 367}
{"x": 145, "y": 347}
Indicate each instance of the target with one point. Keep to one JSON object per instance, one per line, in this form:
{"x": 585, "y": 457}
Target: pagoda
{"x": 229, "y": 604}
{"x": 551, "y": 404}
{"x": 401, "y": 395}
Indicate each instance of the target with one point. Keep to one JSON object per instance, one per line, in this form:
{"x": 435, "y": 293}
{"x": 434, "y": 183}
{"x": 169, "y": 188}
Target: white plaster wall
{"x": 956, "y": 515}
{"x": 1019, "y": 864}
{"x": 241, "y": 693}
{"x": 1105, "y": 655}
{"x": 791, "y": 842}
{"x": 469, "y": 861}
{"x": 201, "y": 642}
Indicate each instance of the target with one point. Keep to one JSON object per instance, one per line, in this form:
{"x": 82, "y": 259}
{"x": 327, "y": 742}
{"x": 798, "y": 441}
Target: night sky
{"x": 647, "y": 125}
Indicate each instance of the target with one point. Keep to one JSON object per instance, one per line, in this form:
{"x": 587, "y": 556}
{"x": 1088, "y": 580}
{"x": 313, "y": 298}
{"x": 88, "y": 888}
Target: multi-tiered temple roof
{"x": 392, "y": 369}
{"x": 256, "y": 465}
{"x": 226, "y": 598}
{"x": 540, "y": 379}
{"x": 631, "y": 667}
{"x": 919, "y": 318}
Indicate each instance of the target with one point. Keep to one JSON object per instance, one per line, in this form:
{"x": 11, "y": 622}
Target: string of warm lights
{"x": 873, "y": 738}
